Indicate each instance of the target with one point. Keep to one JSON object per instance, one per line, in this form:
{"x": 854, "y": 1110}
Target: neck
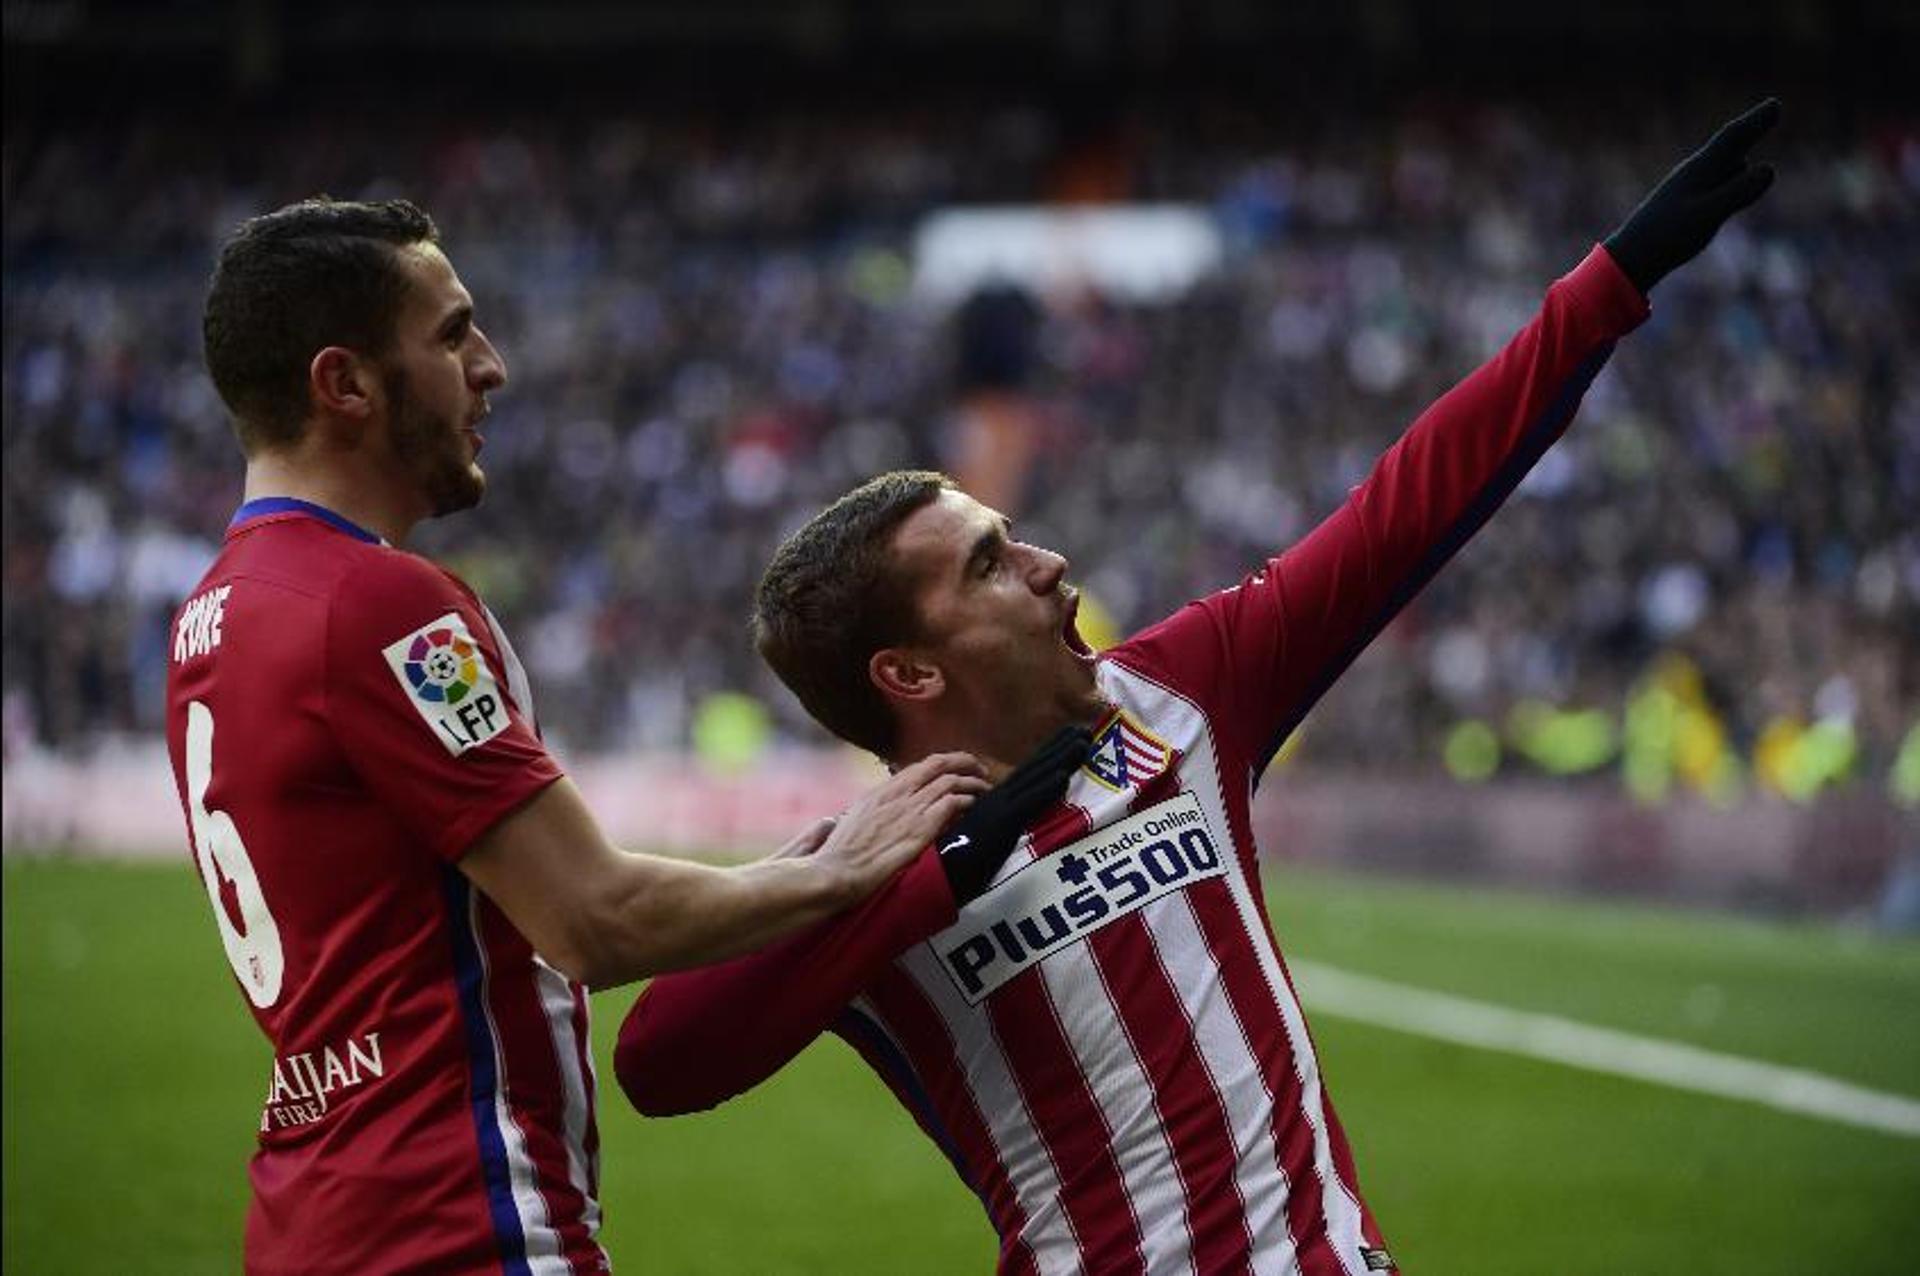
{"x": 999, "y": 750}
{"x": 998, "y": 760}
{"x": 361, "y": 499}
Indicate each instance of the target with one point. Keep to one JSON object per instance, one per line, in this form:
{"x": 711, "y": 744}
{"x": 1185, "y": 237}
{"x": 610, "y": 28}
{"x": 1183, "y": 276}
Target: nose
{"x": 489, "y": 370}
{"x": 1046, "y": 570}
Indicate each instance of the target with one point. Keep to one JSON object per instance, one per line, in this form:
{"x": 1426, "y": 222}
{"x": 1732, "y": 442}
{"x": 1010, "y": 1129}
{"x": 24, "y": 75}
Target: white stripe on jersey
{"x": 1027, "y": 1162}
{"x": 1200, "y": 769}
{"x": 1094, "y": 1028}
{"x": 543, "y": 1241}
{"x": 557, "y": 1006}
{"x": 518, "y": 685}
{"x": 1231, "y": 1065}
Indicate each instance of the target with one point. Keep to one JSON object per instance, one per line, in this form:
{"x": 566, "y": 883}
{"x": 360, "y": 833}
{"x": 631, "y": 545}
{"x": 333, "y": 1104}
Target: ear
{"x": 901, "y": 674}
{"x": 343, "y": 384}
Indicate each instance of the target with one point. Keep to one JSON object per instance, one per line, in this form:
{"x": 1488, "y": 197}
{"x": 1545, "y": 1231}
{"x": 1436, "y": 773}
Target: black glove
{"x": 1680, "y": 217}
{"x": 978, "y": 843}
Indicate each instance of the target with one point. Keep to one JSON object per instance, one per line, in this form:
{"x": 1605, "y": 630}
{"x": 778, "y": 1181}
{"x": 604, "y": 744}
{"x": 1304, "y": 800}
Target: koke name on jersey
{"x": 1055, "y": 902}
{"x": 198, "y": 631}
{"x": 448, "y": 680}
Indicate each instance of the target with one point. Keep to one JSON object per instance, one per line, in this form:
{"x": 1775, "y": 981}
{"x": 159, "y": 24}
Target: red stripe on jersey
{"x": 1189, "y": 1105}
{"x": 905, "y": 1012}
{"x": 1069, "y": 1122}
{"x": 531, "y": 1071}
{"x": 1266, "y": 1031}
{"x": 1061, "y": 824}
{"x": 1019, "y": 1263}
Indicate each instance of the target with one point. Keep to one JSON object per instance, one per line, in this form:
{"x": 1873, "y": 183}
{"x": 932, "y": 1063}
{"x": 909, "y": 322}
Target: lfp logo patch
{"x": 441, "y": 666}
{"x": 447, "y": 679}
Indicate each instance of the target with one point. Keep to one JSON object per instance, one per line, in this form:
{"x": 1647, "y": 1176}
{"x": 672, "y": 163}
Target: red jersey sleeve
{"x": 418, "y": 693}
{"x": 1261, "y": 653}
{"x": 699, "y": 1037}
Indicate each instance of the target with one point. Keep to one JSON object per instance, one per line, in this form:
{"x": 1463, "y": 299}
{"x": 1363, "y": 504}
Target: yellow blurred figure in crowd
{"x": 1673, "y": 735}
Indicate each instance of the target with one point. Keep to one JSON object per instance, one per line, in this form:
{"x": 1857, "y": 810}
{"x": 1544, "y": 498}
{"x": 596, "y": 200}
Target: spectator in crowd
{"x": 714, "y": 335}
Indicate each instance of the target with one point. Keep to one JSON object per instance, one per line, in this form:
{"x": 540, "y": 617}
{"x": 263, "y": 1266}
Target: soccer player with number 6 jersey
{"x": 412, "y": 896}
{"x": 1105, "y": 1040}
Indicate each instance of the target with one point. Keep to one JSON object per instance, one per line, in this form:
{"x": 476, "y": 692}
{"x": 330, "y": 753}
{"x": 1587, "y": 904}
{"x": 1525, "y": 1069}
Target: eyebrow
{"x": 462, "y": 313}
{"x": 986, "y": 544}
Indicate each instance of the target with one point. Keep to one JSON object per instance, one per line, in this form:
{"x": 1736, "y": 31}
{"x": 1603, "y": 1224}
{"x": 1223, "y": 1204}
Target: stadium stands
{"x": 711, "y": 329}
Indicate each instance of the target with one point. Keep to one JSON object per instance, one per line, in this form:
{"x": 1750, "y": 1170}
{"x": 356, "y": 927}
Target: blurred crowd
{"x": 711, "y": 330}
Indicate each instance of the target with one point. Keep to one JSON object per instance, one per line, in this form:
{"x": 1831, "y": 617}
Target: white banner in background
{"x": 1138, "y": 251}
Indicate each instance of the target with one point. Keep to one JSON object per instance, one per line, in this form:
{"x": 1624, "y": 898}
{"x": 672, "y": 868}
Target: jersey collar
{"x": 267, "y": 506}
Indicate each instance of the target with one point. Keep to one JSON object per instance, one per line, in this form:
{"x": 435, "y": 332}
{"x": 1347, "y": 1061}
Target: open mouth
{"x": 1070, "y": 631}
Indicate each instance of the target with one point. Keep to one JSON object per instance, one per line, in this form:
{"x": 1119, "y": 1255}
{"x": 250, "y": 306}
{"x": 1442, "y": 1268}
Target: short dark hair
{"x": 832, "y": 596}
{"x": 318, "y": 273}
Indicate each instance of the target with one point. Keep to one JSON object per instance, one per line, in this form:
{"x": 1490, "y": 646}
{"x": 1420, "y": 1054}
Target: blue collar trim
{"x": 289, "y": 505}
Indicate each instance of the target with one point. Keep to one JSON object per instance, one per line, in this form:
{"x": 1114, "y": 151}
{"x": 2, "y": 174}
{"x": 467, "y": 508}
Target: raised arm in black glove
{"x": 1680, "y": 217}
{"x": 973, "y": 849}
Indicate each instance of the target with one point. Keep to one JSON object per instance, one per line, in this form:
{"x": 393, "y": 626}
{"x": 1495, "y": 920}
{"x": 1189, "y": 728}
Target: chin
{"x": 459, "y": 493}
{"x": 1080, "y": 685}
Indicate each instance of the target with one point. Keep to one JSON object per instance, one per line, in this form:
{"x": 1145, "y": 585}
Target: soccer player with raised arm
{"x": 412, "y": 895}
{"x": 1102, "y": 1036}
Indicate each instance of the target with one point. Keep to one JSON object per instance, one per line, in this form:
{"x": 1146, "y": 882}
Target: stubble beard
{"x": 433, "y": 450}
{"x": 1048, "y": 694}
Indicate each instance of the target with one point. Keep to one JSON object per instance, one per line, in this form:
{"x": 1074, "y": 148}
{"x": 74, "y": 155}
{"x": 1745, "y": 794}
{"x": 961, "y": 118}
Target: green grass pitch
{"x": 133, "y": 1077}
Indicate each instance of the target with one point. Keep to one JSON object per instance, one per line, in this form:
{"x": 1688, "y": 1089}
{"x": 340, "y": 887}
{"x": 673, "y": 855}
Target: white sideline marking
{"x": 1333, "y": 991}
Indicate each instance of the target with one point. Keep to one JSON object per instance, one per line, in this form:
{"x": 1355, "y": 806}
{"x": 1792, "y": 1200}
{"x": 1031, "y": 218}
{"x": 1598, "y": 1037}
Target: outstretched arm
{"x": 1272, "y": 645}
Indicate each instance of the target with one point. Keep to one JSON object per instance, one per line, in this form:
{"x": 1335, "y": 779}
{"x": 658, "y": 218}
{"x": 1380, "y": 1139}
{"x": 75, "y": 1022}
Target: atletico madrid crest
{"x": 1125, "y": 754}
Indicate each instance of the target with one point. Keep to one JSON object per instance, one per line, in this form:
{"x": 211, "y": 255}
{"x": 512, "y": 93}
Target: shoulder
{"x": 390, "y": 591}
{"x": 1183, "y": 645}
{"x": 381, "y": 571}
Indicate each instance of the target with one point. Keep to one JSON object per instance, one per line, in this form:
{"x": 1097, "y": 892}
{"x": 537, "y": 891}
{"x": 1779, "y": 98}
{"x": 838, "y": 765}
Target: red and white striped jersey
{"x": 1109, "y": 1038}
{"x": 344, "y": 720}
{"x": 1106, "y": 1043}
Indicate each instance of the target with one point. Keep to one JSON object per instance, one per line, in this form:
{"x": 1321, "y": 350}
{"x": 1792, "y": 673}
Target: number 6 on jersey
{"x": 253, "y": 947}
